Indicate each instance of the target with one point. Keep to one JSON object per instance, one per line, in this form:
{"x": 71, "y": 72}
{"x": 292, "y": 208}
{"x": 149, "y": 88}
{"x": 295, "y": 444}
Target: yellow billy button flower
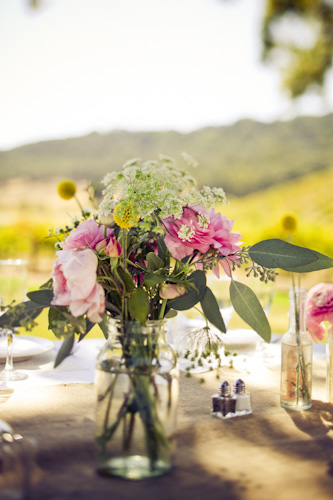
{"x": 289, "y": 223}
{"x": 66, "y": 189}
{"x": 124, "y": 217}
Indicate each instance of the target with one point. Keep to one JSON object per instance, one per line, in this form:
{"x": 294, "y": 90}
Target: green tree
{"x": 300, "y": 34}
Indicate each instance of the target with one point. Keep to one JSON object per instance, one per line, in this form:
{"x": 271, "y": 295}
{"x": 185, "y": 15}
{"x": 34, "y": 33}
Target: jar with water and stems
{"x": 137, "y": 394}
{"x": 296, "y": 356}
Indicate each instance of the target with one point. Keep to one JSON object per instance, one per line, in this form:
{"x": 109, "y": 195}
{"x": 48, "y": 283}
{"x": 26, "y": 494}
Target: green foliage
{"x": 25, "y": 238}
{"x": 248, "y": 307}
{"x": 280, "y": 254}
{"x": 322, "y": 262}
{"x": 212, "y": 311}
{"x": 307, "y": 65}
{"x": 138, "y": 305}
{"x": 65, "y": 349}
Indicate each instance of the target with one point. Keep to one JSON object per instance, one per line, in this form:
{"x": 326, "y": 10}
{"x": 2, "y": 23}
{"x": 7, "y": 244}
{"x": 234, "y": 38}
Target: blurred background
{"x": 244, "y": 86}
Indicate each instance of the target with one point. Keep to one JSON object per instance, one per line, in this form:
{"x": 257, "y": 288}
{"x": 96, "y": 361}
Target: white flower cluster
{"x": 153, "y": 185}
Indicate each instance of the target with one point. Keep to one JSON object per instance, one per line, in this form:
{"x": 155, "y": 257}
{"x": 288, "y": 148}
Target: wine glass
{"x": 18, "y": 467}
{"x": 13, "y": 288}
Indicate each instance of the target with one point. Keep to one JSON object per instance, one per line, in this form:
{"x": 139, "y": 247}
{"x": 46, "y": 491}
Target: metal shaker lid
{"x": 224, "y": 389}
{"x": 239, "y": 387}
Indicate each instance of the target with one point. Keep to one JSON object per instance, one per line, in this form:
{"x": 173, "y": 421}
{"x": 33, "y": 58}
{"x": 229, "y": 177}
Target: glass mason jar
{"x": 296, "y": 356}
{"x": 329, "y": 363}
{"x": 137, "y": 395}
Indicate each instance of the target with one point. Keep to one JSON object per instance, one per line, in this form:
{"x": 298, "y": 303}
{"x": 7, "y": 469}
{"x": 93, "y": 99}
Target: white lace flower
{"x": 189, "y": 160}
{"x": 203, "y": 220}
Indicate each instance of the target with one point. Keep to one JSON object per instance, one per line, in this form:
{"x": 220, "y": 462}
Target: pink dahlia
{"x": 191, "y": 232}
{"x": 224, "y": 241}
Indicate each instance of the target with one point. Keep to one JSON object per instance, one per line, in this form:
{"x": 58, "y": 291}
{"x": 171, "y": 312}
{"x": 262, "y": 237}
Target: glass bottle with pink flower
{"x": 296, "y": 356}
{"x": 319, "y": 319}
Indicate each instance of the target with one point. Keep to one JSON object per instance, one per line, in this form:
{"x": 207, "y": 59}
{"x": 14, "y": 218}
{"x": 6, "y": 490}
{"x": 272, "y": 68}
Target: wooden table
{"x": 272, "y": 454}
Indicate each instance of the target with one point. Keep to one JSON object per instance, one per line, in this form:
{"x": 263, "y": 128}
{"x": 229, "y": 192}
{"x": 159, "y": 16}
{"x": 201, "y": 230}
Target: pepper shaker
{"x": 223, "y": 403}
{"x": 242, "y": 399}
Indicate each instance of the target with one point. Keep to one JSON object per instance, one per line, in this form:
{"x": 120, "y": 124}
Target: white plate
{"x": 25, "y": 347}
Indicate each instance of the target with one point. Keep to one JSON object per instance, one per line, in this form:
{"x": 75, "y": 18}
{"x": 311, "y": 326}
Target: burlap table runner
{"x": 270, "y": 454}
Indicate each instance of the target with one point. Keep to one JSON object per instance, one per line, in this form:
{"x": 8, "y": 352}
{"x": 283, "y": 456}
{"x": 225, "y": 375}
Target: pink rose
{"x": 113, "y": 248}
{"x": 101, "y": 245}
{"x": 169, "y": 291}
{"x": 319, "y": 308}
{"x": 192, "y": 231}
{"x": 224, "y": 241}
{"x": 87, "y": 234}
{"x": 75, "y": 286}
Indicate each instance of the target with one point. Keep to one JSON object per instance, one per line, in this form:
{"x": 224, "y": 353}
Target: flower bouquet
{"x": 140, "y": 258}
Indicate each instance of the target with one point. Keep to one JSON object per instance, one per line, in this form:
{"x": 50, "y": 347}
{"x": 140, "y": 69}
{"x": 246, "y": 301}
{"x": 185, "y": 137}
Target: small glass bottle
{"x": 242, "y": 399}
{"x": 329, "y": 363}
{"x": 223, "y": 404}
{"x": 296, "y": 356}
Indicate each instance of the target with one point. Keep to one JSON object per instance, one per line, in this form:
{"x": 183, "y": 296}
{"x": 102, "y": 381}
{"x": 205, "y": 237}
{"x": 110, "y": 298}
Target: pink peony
{"x": 224, "y": 241}
{"x": 75, "y": 286}
{"x": 87, "y": 234}
{"x": 185, "y": 235}
{"x": 319, "y": 308}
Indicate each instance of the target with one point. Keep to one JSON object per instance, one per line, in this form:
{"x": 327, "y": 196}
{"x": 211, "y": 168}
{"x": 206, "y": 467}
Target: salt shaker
{"x": 223, "y": 403}
{"x": 242, "y": 399}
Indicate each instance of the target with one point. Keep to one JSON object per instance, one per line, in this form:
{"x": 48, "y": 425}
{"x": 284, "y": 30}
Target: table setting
{"x": 129, "y": 411}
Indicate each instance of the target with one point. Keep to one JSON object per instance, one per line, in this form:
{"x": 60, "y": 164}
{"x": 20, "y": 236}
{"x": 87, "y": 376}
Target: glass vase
{"x": 137, "y": 394}
{"x": 329, "y": 363}
{"x": 296, "y": 356}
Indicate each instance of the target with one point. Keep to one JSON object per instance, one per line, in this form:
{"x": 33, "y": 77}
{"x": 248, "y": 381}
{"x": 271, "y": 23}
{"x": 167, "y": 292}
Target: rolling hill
{"x": 242, "y": 158}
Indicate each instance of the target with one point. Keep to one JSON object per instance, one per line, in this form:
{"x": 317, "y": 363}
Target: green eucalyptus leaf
{"x": 171, "y": 313}
{"x": 21, "y": 313}
{"x": 43, "y": 297}
{"x": 193, "y": 295}
{"x": 104, "y": 326}
{"x": 275, "y": 253}
{"x": 65, "y": 349}
{"x": 89, "y": 326}
{"x": 323, "y": 262}
{"x": 212, "y": 311}
{"x": 152, "y": 279}
{"x": 48, "y": 285}
{"x": 138, "y": 305}
{"x": 154, "y": 262}
{"x": 248, "y": 307}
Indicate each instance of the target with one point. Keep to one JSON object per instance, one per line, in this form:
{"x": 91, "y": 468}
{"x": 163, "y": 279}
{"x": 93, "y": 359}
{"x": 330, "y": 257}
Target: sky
{"x": 77, "y": 66}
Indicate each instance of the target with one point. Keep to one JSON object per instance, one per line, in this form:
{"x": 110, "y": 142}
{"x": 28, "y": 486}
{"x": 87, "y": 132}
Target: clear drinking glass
{"x": 13, "y": 288}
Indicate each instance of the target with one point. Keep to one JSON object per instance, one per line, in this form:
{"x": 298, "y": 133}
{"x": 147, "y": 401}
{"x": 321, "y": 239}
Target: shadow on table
{"x": 69, "y": 469}
{"x": 289, "y": 440}
{"x": 317, "y": 421}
